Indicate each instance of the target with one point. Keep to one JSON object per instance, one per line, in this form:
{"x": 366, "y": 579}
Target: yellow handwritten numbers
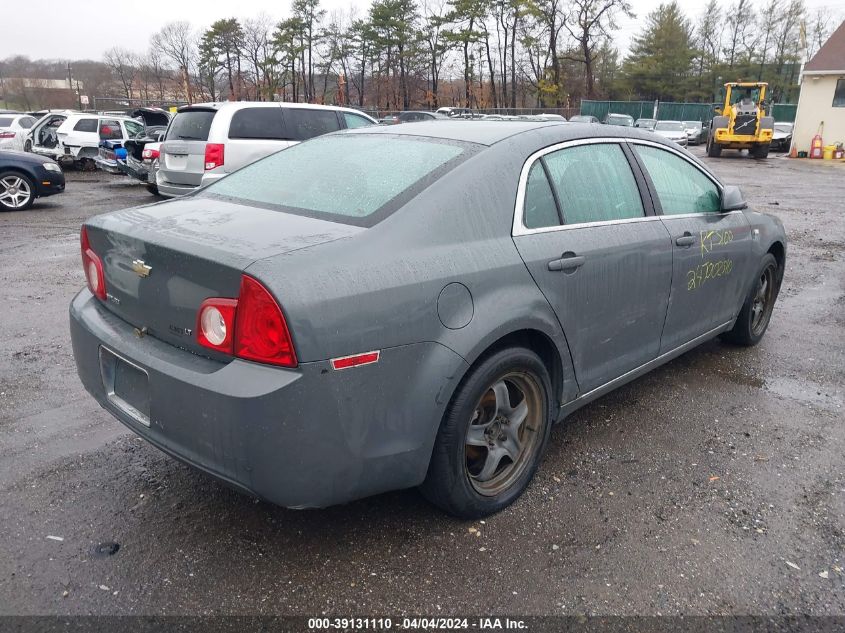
{"x": 714, "y": 239}
{"x": 706, "y": 271}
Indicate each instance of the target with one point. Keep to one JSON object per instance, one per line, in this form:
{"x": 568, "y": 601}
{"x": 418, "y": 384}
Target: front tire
{"x": 756, "y": 312}
{"x": 714, "y": 150}
{"x": 492, "y": 436}
{"x": 760, "y": 150}
{"x": 17, "y": 192}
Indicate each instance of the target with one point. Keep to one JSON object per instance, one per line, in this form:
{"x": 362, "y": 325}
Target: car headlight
{"x": 52, "y": 167}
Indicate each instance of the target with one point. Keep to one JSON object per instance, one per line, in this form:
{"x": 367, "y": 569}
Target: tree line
{"x": 404, "y": 54}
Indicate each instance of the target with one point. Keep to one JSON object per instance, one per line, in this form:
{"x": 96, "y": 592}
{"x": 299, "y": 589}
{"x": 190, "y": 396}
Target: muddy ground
{"x": 714, "y": 485}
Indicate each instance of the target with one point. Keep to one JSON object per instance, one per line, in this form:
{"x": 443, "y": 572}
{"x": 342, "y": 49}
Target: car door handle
{"x": 687, "y": 239}
{"x": 568, "y": 262}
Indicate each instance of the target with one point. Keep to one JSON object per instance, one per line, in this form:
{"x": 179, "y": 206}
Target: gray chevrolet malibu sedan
{"x": 413, "y": 305}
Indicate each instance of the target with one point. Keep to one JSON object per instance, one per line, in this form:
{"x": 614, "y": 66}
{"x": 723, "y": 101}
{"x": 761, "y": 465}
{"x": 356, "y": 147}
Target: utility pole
{"x": 70, "y": 85}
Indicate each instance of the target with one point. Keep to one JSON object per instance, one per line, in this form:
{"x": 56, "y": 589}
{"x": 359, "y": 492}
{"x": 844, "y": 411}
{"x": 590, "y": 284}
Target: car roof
{"x": 226, "y": 105}
{"x": 490, "y": 132}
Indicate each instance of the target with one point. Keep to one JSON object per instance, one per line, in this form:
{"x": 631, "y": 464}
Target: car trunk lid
{"x": 162, "y": 261}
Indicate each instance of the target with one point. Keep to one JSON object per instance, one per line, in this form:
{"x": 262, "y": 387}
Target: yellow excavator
{"x": 741, "y": 123}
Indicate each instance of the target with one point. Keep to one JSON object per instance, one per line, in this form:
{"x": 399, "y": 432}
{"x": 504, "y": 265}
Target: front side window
{"x": 540, "y": 205}
{"x": 85, "y": 125}
{"x": 839, "y": 94}
{"x": 594, "y": 183}
{"x": 133, "y": 128}
{"x": 303, "y": 124}
{"x": 353, "y": 120}
{"x": 351, "y": 178}
{"x": 258, "y": 123}
{"x": 681, "y": 187}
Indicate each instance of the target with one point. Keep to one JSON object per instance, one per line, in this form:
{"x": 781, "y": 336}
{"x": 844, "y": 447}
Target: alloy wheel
{"x": 761, "y": 305}
{"x": 15, "y": 192}
{"x": 503, "y": 434}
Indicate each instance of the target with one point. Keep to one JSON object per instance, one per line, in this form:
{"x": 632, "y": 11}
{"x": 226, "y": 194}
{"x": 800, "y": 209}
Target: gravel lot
{"x": 714, "y": 485}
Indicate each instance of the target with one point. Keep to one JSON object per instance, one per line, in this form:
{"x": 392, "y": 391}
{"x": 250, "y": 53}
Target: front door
{"x": 711, "y": 249}
{"x": 603, "y": 264}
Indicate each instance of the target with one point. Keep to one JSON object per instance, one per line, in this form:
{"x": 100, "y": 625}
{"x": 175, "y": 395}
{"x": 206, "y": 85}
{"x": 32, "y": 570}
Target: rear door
{"x": 305, "y": 123}
{"x": 182, "y": 159}
{"x": 598, "y": 254}
{"x": 255, "y": 132}
{"x": 711, "y": 249}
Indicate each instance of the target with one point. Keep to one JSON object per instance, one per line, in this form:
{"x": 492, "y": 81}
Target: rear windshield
{"x": 191, "y": 125}
{"x": 350, "y": 178}
{"x": 5, "y": 121}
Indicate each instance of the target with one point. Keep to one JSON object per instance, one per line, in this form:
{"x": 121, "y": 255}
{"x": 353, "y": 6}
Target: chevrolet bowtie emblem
{"x": 140, "y": 268}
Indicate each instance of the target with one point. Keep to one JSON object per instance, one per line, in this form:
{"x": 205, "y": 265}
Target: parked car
{"x": 583, "y": 118}
{"x": 370, "y": 310}
{"x": 142, "y": 157}
{"x": 43, "y": 133}
{"x": 696, "y": 134}
{"x": 119, "y": 156}
{"x": 77, "y": 138}
{"x": 646, "y": 124}
{"x": 619, "y": 119}
{"x": 13, "y": 130}
{"x": 672, "y": 130}
{"x": 782, "y": 136}
{"x": 26, "y": 177}
{"x": 207, "y": 141}
{"x": 412, "y": 116}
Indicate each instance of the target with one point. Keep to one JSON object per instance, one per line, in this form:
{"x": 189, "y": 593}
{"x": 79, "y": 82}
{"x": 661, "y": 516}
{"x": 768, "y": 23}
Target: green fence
{"x": 670, "y": 111}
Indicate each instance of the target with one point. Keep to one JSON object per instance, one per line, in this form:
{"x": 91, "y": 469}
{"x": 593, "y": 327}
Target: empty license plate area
{"x": 127, "y": 385}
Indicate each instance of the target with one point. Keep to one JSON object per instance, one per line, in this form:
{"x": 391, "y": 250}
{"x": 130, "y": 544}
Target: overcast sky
{"x": 79, "y": 29}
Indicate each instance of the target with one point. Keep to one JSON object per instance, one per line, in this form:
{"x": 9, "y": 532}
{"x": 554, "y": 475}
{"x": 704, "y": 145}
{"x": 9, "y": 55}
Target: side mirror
{"x": 732, "y": 199}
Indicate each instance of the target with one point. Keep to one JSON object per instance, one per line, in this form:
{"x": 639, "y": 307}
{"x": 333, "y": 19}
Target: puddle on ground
{"x": 804, "y": 391}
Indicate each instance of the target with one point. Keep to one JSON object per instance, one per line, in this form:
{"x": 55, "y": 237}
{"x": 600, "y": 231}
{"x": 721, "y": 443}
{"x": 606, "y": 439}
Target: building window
{"x": 839, "y": 94}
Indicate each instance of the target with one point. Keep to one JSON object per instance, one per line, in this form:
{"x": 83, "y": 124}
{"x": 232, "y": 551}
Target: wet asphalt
{"x": 713, "y": 485}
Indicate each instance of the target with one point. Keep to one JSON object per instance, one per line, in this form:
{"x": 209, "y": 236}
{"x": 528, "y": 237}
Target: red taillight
{"x": 150, "y": 154}
{"x": 93, "y": 267}
{"x": 213, "y": 155}
{"x": 251, "y": 327}
{"x": 7, "y": 134}
{"x": 261, "y": 332}
{"x": 216, "y": 324}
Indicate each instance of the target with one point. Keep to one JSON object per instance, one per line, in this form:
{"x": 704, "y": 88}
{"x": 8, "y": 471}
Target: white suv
{"x": 78, "y": 137}
{"x": 207, "y": 141}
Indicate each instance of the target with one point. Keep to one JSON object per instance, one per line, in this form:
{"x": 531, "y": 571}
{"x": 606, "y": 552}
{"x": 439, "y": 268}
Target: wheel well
{"x": 779, "y": 252}
{"x": 538, "y": 343}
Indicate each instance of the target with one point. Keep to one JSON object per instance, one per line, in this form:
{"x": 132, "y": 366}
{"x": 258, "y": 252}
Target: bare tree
{"x": 177, "y": 43}
{"x": 124, "y": 65}
{"x": 589, "y": 22}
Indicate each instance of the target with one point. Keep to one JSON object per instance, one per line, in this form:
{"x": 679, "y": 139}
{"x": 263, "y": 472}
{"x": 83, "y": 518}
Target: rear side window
{"x": 260, "y": 123}
{"x": 110, "y": 129}
{"x": 540, "y": 205}
{"x": 356, "y": 179}
{"x": 85, "y": 125}
{"x": 303, "y": 124}
{"x": 26, "y": 122}
{"x": 681, "y": 187}
{"x": 191, "y": 125}
{"x": 594, "y": 183}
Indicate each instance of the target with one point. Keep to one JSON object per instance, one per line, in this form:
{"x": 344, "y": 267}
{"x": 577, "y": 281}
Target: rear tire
{"x": 756, "y": 312}
{"x": 492, "y": 436}
{"x": 152, "y": 188}
{"x": 27, "y": 145}
{"x": 714, "y": 150}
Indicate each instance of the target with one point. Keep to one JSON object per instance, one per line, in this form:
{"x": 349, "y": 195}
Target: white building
{"x": 822, "y": 98}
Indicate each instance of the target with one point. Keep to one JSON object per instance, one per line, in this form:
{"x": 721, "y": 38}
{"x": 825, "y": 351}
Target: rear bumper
{"x": 109, "y": 165}
{"x": 172, "y": 190}
{"x": 305, "y": 437}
